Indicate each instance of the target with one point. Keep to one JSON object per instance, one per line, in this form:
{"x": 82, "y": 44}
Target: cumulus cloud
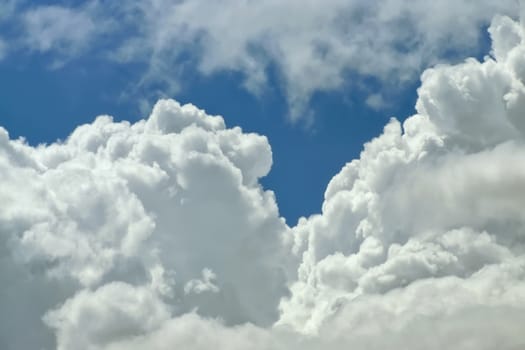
{"x": 158, "y": 234}
{"x": 432, "y": 203}
{"x": 171, "y": 206}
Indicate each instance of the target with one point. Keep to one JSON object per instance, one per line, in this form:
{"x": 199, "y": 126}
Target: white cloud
{"x": 158, "y": 234}
{"x": 114, "y": 311}
{"x": 202, "y": 285}
{"x": 376, "y": 101}
{"x": 65, "y": 31}
{"x": 151, "y": 205}
{"x": 435, "y": 198}
{"x": 312, "y": 46}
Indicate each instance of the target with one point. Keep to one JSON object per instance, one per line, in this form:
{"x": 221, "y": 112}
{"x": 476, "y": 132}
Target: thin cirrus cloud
{"x": 158, "y": 235}
{"x": 312, "y": 46}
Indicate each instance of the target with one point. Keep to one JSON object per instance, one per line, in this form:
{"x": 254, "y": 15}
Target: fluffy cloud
{"x": 168, "y": 211}
{"x": 433, "y": 203}
{"x": 158, "y": 234}
{"x": 112, "y": 312}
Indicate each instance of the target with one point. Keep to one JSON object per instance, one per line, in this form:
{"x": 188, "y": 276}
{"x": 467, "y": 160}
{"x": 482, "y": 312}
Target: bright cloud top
{"x": 311, "y": 46}
{"x": 157, "y": 235}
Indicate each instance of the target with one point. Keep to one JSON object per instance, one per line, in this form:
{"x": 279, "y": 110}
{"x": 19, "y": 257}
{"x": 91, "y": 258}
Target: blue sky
{"x": 43, "y": 102}
{"x": 305, "y": 157}
{"x": 150, "y": 232}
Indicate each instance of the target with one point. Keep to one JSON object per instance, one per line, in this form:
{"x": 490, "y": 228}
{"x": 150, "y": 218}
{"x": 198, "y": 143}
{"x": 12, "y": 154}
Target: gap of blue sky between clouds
{"x": 144, "y": 234}
{"x": 305, "y": 158}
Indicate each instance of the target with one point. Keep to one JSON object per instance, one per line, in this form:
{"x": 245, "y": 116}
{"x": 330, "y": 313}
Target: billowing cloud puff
{"x": 166, "y": 213}
{"x": 158, "y": 235}
{"x": 432, "y": 207}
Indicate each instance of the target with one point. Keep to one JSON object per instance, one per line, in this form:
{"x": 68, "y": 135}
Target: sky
{"x": 262, "y": 174}
{"x": 72, "y": 84}
{"x": 73, "y": 96}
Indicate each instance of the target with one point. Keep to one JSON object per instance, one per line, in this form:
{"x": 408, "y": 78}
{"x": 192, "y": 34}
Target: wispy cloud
{"x": 64, "y": 32}
{"x": 313, "y": 46}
